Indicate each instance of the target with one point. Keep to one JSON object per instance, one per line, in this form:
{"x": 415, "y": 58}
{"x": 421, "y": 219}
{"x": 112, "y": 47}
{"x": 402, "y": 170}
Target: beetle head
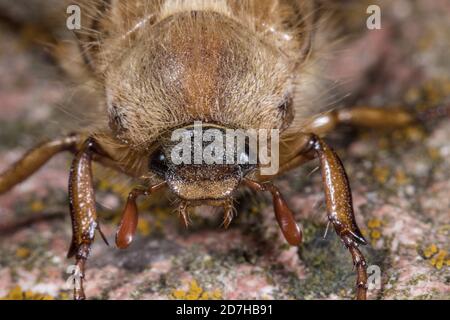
{"x": 199, "y": 165}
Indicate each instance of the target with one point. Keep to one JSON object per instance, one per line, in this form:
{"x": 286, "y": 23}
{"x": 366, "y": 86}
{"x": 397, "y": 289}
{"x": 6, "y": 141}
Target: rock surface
{"x": 400, "y": 181}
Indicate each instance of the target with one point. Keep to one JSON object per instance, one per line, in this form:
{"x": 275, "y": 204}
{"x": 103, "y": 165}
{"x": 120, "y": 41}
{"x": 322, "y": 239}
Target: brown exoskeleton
{"x": 162, "y": 65}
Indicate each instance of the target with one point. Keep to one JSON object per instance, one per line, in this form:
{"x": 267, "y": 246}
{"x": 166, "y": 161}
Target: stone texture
{"x": 400, "y": 180}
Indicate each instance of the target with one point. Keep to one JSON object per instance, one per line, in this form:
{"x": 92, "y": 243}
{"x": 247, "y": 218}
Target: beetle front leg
{"x": 340, "y": 208}
{"x": 35, "y": 159}
{"x": 82, "y": 211}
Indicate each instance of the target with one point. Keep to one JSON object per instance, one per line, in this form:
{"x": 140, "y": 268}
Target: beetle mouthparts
{"x": 226, "y": 204}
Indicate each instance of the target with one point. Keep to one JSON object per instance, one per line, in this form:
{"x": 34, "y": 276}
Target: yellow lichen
{"x": 143, "y": 227}
{"x": 216, "y": 294}
{"x": 17, "y": 293}
{"x": 434, "y": 153}
{"x": 205, "y": 296}
{"x": 22, "y": 252}
{"x": 374, "y": 226}
{"x": 195, "y": 292}
{"x": 375, "y": 234}
{"x": 430, "y": 251}
{"x": 438, "y": 257}
{"x": 381, "y": 174}
{"x": 374, "y": 223}
{"x": 439, "y": 260}
{"x": 37, "y": 206}
{"x": 179, "y": 294}
{"x": 64, "y": 296}
{"x": 401, "y": 178}
{"x": 364, "y": 232}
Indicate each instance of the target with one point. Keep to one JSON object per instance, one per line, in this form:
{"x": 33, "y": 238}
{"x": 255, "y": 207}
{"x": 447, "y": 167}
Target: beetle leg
{"x": 130, "y": 216}
{"x": 228, "y": 215}
{"x": 360, "y": 264}
{"x": 285, "y": 218}
{"x": 184, "y": 214}
{"x": 368, "y": 117}
{"x": 35, "y": 159}
{"x": 82, "y": 210}
{"x": 292, "y": 155}
{"x": 340, "y": 208}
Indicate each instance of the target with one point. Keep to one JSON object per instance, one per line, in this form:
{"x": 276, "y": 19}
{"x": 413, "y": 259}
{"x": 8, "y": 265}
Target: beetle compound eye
{"x": 158, "y": 163}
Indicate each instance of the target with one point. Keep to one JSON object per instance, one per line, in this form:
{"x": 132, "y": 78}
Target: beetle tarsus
{"x": 360, "y": 264}
{"x": 79, "y": 272}
{"x": 228, "y": 214}
{"x": 184, "y": 214}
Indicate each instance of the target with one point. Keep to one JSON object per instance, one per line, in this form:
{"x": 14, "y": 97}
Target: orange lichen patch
{"x": 430, "y": 251}
{"x": 23, "y": 252}
{"x": 64, "y": 296}
{"x": 216, "y": 294}
{"x": 439, "y": 260}
{"x": 195, "y": 292}
{"x": 375, "y": 235}
{"x": 434, "y": 153}
{"x": 17, "y": 293}
{"x": 401, "y": 178}
{"x": 374, "y": 223}
{"x": 438, "y": 257}
{"x": 37, "y": 206}
{"x": 374, "y": 229}
{"x": 364, "y": 232}
{"x": 179, "y": 294}
{"x": 143, "y": 227}
{"x": 381, "y": 174}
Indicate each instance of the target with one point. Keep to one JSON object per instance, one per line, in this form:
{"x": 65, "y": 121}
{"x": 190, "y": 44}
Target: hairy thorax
{"x": 197, "y": 66}
{"x": 165, "y": 64}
